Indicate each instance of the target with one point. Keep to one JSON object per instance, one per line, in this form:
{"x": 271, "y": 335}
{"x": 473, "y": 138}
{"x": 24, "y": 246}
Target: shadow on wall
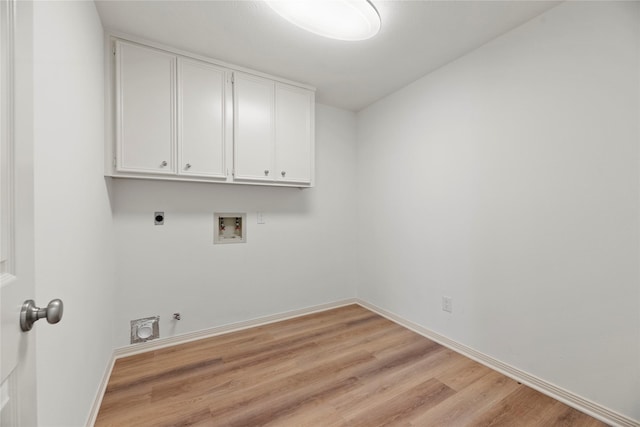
{"x": 143, "y": 196}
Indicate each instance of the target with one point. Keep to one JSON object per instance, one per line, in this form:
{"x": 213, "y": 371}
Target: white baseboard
{"x": 593, "y": 409}
{"x": 97, "y": 401}
{"x": 584, "y": 405}
{"x": 131, "y": 350}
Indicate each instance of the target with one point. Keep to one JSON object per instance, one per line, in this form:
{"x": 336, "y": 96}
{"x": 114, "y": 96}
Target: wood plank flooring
{"x": 342, "y": 367}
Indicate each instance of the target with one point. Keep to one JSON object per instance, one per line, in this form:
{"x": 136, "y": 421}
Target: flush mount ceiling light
{"x": 349, "y": 20}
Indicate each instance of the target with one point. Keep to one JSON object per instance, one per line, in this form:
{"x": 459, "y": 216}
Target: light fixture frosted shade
{"x": 337, "y": 19}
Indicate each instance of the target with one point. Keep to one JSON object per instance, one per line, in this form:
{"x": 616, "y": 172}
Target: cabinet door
{"x": 253, "y": 128}
{"x": 201, "y": 119}
{"x": 294, "y": 134}
{"x": 145, "y": 109}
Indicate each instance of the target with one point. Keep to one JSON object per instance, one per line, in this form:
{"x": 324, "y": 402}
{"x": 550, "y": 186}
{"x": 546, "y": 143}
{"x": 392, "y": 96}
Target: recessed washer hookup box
{"x": 229, "y": 228}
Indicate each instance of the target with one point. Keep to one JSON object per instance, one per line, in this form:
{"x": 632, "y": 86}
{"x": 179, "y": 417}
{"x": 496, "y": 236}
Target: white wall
{"x": 74, "y": 247}
{"x": 508, "y": 180}
{"x": 303, "y": 256}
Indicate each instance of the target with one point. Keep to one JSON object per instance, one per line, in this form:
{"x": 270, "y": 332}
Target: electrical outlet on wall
{"x": 447, "y": 304}
{"x": 158, "y": 218}
{"x": 260, "y": 217}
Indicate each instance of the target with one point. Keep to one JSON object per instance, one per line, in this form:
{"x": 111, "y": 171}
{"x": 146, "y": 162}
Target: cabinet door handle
{"x": 283, "y": 173}
{"x": 187, "y": 166}
{"x": 266, "y": 172}
{"x": 164, "y": 163}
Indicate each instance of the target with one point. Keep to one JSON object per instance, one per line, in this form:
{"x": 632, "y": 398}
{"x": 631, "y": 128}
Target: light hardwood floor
{"x": 342, "y": 367}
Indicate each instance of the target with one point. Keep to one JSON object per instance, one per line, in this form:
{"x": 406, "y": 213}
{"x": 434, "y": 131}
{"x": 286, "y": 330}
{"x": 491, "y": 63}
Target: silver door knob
{"x": 164, "y": 163}
{"x": 187, "y": 166}
{"x": 283, "y": 173}
{"x": 30, "y": 313}
{"x": 266, "y": 171}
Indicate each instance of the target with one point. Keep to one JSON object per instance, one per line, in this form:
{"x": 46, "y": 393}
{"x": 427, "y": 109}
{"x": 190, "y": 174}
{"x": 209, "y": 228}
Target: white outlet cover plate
{"x": 447, "y": 304}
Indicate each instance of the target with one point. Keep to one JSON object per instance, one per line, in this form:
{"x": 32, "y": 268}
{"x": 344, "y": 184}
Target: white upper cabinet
{"x": 273, "y": 131}
{"x": 201, "y": 119}
{"x": 253, "y": 127}
{"x": 187, "y": 118}
{"x": 145, "y": 100}
{"x": 294, "y": 109}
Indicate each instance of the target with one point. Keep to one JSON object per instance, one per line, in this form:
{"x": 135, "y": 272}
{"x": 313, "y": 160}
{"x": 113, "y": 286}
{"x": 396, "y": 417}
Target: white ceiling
{"x": 416, "y": 38}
